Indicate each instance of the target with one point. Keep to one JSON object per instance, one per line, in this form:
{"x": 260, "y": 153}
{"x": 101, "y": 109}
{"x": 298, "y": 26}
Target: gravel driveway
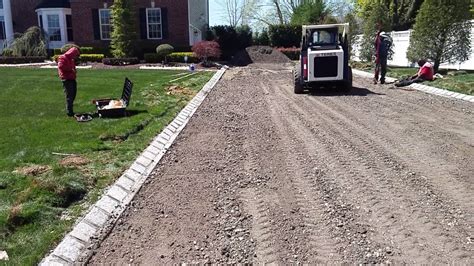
{"x": 263, "y": 175}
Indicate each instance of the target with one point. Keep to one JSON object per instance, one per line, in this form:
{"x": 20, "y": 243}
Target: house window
{"x": 70, "y": 37}
{"x": 54, "y": 29}
{"x": 1, "y": 4}
{"x": 153, "y": 21}
{"x": 105, "y": 24}
{"x": 2, "y": 27}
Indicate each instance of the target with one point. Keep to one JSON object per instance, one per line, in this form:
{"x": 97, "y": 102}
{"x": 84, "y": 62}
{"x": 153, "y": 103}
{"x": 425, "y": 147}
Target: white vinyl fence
{"x": 401, "y": 40}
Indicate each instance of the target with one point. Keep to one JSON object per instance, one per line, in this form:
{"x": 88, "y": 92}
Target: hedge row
{"x": 284, "y": 35}
{"x": 84, "y": 49}
{"x": 174, "y": 57}
{"x": 85, "y": 58}
{"x": 121, "y": 61}
{"x": 230, "y": 39}
{"x": 21, "y": 59}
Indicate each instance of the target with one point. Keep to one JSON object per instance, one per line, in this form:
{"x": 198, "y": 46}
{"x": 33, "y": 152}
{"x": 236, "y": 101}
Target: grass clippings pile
{"x": 74, "y": 161}
{"x": 177, "y": 90}
{"x": 33, "y": 170}
{"x": 259, "y": 54}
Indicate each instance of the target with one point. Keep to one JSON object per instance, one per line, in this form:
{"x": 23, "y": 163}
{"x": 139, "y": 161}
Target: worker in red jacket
{"x": 67, "y": 74}
{"x": 426, "y": 72}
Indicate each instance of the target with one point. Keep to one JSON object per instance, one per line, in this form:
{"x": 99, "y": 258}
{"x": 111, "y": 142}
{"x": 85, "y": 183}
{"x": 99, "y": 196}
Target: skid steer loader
{"x": 324, "y": 59}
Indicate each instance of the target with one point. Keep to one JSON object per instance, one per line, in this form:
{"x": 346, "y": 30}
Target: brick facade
{"x": 23, "y": 14}
{"x": 177, "y": 14}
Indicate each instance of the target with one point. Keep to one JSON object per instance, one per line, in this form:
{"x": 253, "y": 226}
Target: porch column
{"x": 7, "y": 14}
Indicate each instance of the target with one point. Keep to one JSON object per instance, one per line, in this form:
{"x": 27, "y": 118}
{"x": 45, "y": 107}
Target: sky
{"x": 216, "y": 13}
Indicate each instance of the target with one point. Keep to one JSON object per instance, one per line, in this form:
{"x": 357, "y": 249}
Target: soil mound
{"x": 73, "y": 161}
{"x": 33, "y": 170}
{"x": 259, "y": 54}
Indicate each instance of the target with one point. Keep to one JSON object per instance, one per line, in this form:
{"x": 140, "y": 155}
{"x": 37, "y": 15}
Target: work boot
{"x": 382, "y": 81}
{"x": 375, "y": 81}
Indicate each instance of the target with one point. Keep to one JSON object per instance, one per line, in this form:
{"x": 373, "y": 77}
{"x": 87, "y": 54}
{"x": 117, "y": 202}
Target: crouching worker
{"x": 425, "y": 72}
{"x": 67, "y": 74}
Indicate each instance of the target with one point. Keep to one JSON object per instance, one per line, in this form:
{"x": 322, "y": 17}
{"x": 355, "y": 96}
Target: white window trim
{"x": 100, "y": 25}
{"x": 147, "y": 24}
{"x": 55, "y": 28}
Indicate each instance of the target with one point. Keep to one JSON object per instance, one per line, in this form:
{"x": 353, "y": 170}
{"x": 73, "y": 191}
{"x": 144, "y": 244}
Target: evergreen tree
{"x": 376, "y": 17}
{"x": 124, "y": 32}
{"x": 310, "y": 12}
{"x": 442, "y": 32}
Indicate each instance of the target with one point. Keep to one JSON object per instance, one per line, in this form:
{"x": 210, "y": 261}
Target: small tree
{"x": 206, "y": 50}
{"x": 30, "y": 43}
{"x": 376, "y": 17}
{"x": 123, "y": 34}
{"x": 442, "y": 32}
{"x": 164, "y": 50}
{"x": 310, "y": 12}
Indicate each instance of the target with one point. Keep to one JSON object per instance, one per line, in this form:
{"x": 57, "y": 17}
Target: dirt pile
{"x": 259, "y": 54}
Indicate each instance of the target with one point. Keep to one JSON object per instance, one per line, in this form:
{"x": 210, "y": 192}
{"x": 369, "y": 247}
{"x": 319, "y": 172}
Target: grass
{"x": 457, "y": 81}
{"x": 36, "y": 210}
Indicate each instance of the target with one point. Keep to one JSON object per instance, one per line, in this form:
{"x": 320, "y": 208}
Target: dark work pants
{"x": 70, "y": 89}
{"x": 407, "y": 82}
{"x": 381, "y": 68}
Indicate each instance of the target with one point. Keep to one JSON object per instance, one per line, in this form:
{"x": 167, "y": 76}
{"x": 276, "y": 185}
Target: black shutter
{"x": 164, "y": 22}
{"x": 96, "y": 24}
{"x": 143, "y": 26}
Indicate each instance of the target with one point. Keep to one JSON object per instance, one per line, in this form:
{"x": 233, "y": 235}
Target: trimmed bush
{"x": 292, "y": 53}
{"x": 179, "y": 57}
{"x": 89, "y": 50}
{"x": 121, "y": 61}
{"x": 152, "y": 58}
{"x": 285, "y": 35}
{"x": 68, "y": 46}
{"x": 91, "y": 57}
{"x": 21, "y": 59}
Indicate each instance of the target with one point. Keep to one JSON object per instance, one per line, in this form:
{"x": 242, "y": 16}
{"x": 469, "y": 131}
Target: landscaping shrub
{"x": 91, "y": 57}
{"x": 261, "y": 38}
{"x": 164, "y": 50}
{"x": 285, "y": 35}
{"x": 121, "y": 61}
{"x": 21, "y": 59}
{"x": 206, "y": 50}
{"x": 30, "y": 43}
{"x": 152, "y": 58}
{"x": 89, "y": 50}
{"x": 7, "y": 52}
{"x": 68, "y": 46}
{"x": 179, "y": 57}
{"x": 292, "y": 53}
{"x": 231, "y": 39}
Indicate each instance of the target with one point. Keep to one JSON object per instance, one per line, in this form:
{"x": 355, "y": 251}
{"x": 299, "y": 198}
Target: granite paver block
{"x": 70, "y": 249}
{"x": 143, "y": 161}
{"x": 83, "y": 231}
{"x": 138, "y": 168}
{"x": 125, "y": 183}
{"x": 107, "y": 204}
{"x": 117, "y": 193}
{"x": 97, "y": 217}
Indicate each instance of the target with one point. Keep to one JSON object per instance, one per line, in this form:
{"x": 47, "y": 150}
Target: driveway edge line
{"x": 423, "y": 88}
{"x": 95, "y": 225}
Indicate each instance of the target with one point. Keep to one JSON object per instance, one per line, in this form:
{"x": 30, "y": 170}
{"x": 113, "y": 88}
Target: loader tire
{"x": 298, "y": 87}
{"x": 348, "y": 84}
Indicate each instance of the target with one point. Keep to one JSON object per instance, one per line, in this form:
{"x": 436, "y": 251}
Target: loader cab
{"x": 324, "y": 59}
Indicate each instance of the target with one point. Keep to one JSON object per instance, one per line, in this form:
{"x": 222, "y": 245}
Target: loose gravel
{"x": 262, "y": 175}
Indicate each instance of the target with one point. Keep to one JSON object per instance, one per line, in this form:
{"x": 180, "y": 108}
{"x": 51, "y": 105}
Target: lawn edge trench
{"x": 91, "y": 229}
{"x": 423, "y": 88}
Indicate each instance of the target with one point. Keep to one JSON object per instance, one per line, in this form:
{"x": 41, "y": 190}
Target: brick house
{"x": 180, "y": 23}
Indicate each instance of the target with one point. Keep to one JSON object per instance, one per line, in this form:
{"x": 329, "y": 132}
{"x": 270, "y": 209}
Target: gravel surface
{"x": 262, "y": 175}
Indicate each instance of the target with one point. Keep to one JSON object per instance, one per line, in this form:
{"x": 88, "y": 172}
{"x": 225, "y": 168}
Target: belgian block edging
{"x": 422, "y": 87}
{"x": 77, "y": 245}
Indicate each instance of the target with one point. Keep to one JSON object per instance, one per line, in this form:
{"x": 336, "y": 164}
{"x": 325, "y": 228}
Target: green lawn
{"x": 33, "y": 126}
{"x": 460, "y": 81}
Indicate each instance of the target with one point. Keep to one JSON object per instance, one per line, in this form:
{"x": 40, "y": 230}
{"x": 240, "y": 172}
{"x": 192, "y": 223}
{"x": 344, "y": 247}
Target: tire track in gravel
{"x": 379, "y": 172}
{"x": 357, "y": 240}
{"x": 442, "y": 174}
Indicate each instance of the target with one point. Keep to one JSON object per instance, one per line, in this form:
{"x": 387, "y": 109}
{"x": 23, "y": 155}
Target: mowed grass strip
{"x": 41, "y": 193}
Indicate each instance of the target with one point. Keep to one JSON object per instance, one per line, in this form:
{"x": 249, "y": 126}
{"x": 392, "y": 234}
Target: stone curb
{"x": 76, "y": 245}
{"x": 423, "y": 88}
